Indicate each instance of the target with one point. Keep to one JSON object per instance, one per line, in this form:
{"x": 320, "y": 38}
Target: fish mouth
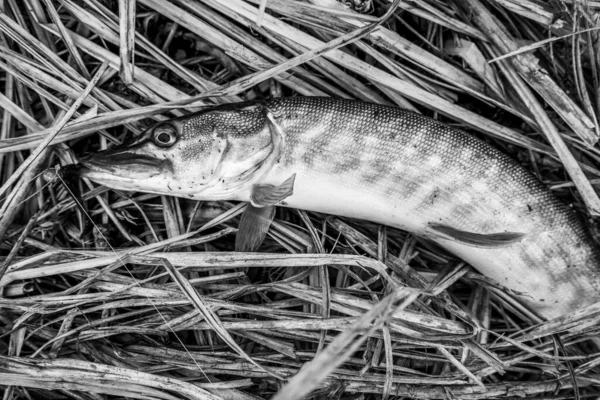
{"x": 122, "y": 169}
{"x": 121, "y": 162}
{"x": 120, "y": 181}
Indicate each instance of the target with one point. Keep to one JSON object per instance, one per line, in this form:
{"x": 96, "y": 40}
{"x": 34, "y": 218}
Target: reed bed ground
{"x": 133, "y": 295}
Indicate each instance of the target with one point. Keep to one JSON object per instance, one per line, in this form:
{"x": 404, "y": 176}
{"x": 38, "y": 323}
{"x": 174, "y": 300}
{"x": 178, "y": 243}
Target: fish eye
{"x": 164, "y": 136}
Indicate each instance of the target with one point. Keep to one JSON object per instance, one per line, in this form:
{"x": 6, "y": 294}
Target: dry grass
{"x": 141, "y": 296}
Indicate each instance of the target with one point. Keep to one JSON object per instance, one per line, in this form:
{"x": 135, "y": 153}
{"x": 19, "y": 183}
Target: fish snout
{"x": 123, "y": 162}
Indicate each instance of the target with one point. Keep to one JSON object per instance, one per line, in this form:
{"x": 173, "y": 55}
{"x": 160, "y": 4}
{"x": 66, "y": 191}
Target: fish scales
{"x": 440, "y": 174}
{"x": 404, "y": 170}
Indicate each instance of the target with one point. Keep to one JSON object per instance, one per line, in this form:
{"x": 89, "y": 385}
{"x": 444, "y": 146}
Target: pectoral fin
{"x": 270, "y": 195}
{"x": 253, "y": 228}
{"x": 490, "y": 240}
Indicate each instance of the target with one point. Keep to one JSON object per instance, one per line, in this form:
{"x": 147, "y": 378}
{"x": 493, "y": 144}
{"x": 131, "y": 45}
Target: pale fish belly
{"x": 554, "y": 278}
{"x": 396, "y": 168}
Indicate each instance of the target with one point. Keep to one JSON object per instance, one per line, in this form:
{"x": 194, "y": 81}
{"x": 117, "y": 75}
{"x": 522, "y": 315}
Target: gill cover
{"x": 253, "y": 145}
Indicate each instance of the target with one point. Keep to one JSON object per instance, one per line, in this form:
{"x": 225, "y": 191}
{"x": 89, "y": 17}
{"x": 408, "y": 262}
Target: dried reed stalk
{"x": 147, "y": 298}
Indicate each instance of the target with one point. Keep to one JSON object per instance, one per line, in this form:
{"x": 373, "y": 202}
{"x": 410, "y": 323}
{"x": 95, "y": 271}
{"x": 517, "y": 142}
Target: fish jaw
{"x": 128, "y": 184}
{"x": 123, "y": 164}
{"x": 109, "y": 180}
{"x": 125, "y": 170}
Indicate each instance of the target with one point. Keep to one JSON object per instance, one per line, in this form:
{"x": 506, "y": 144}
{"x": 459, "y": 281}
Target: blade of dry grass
{"x": 27, "y": 73}
{"x": 527, "y": 66}
{"x": 18, "y": 113}
{"x": 395, "y": 43}
{"x": 28, "y": 169}
{"x": 346, "y": 81}
{"x": 539, "y": 44}
{"x": 66, "y": 38}
{"x": 147, "y": 84}
{"x": 251, "y": 80}
{"x": 342, "y": 347}
{"x": 539, "y": 12}
{"x": 232, "y": 48}
{"x": 52, "y": 134}
{"x": 376, "y": 75}
{"x": 70, "y": 298}
{"x": 96, "y": 378}
{"x": 127, "y": 42}
{"x": 198, "y": 260}
{"x": 110, "y": 34}
{"x": 38, "y": 16}
{"x": 42, "y": 53}
{"x": 15, "y": 250}
{"x": 209, "y": 315}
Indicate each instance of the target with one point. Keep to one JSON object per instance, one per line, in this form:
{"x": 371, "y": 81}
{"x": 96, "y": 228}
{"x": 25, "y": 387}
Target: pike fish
{"x": 376, "y": 163}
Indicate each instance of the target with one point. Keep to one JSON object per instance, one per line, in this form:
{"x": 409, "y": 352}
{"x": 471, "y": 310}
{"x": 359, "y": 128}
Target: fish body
{"x": 377, "y": 163}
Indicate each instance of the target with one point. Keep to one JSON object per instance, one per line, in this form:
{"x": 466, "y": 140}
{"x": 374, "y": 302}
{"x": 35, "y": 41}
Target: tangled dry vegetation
{"x": 141, "y": 296}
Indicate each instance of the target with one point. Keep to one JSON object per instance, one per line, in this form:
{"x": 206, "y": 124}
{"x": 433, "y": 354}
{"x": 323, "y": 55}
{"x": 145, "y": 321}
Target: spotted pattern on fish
{"x": 459, "y": 180}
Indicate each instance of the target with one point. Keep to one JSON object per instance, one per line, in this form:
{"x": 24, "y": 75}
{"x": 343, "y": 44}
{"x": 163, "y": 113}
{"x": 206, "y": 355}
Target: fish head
{"x": 211, "y": 155}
